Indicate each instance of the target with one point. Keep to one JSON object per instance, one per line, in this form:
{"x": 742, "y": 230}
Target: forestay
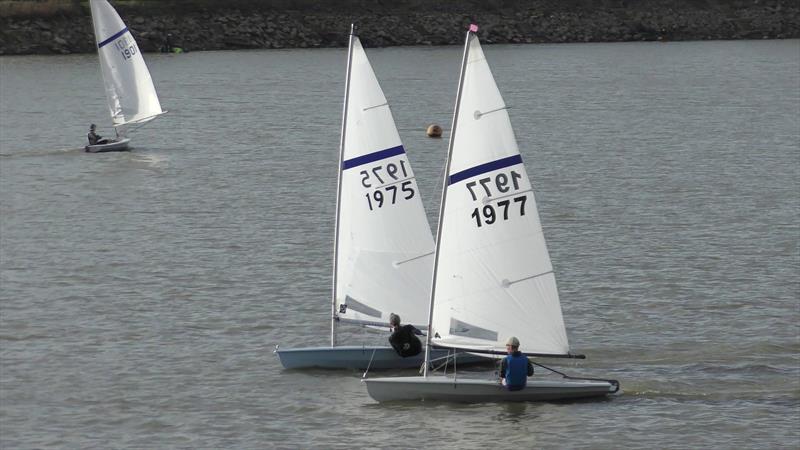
{"x": 129, "y": 89}
{"x": 385, "y": 246}
{"x": 494, "y": 277}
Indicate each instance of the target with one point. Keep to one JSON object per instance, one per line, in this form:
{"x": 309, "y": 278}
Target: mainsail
{"x": 493, "y": 277}
{"x": 130, "y": 92}
{"x": 385, "y": 247}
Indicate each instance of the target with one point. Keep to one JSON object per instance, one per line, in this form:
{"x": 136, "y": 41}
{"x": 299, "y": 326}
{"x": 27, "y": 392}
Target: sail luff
{"x": 112, "y": 101}
{"x": 339, "y": 171}
{"x": 444, "y": 199}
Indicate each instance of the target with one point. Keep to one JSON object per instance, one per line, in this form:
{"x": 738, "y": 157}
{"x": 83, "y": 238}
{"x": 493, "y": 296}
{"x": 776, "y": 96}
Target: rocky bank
{"x": 211, "y": 25}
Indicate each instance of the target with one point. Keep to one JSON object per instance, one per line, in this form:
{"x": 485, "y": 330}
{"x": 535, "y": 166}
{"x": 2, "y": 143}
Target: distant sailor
{"x": 94, "y": 138}
{"x": 515, "y": 368}
{"x": 403, "y": 338}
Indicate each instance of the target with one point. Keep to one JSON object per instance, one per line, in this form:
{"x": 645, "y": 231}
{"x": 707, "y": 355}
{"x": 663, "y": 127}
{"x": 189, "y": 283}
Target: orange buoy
{"x": 434, "y": 131}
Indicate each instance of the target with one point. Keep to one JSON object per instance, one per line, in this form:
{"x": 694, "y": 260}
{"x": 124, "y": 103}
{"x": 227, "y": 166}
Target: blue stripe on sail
{"x": 483, "y": 168}
{"x": 124, "y": 30}
{"x": 372, "y": 157}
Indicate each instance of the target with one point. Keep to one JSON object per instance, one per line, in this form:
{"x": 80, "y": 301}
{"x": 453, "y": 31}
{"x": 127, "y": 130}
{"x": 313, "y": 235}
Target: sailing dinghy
{"x": 130, "y": 93}
{"x": 492, "y": 273}
{"x": 383, "y": 251}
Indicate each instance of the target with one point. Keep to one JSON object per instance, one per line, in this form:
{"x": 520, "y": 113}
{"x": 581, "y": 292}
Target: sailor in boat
{"x": 515, "y": 368}
{"x": 170, "y": 47}
{"x": 403, "y": 338}
{"x": 94, "y": 138}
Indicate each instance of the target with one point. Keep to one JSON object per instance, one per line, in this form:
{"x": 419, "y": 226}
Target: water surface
{"x": 143, "y": 292}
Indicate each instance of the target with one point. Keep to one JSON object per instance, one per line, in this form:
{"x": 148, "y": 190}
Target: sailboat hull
{"x": 440, "y": 388}
{"x": 361, "y": 357}
{"x": 116, "y": 146}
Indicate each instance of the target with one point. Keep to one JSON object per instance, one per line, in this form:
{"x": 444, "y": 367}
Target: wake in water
{"x": 38, "y": 152}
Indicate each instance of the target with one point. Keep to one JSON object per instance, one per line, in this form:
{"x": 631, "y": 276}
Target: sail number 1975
{"x": 392, "y": 174}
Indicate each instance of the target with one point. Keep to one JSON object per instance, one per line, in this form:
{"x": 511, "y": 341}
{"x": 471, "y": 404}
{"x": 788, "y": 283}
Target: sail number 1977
{"x": 500, "y": 183}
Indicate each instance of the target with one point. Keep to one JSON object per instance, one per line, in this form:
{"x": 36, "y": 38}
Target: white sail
{"x": 494, "y": 278}
{"x": 385, "y": 246}
{"x": 129, "y": 89}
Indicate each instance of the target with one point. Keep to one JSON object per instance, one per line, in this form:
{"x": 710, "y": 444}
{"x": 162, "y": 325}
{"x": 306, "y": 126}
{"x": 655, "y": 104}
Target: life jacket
{"x": 94, "y": 138}
{"x": 516, "y": 372}
{"x": 404, "y": 342}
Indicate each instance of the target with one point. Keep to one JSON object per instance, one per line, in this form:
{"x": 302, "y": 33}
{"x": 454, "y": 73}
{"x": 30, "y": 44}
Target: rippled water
{"x": 143, "y": 292}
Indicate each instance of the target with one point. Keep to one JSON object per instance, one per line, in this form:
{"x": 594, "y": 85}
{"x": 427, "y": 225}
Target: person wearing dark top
{"x": 94, "y": 138}
{"x": 403, "y": 338}
{"x": 515, "y": 368}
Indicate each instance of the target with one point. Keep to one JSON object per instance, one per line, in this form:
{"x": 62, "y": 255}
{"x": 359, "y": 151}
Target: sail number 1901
{"x": 501, "y": 183}
{"x": 127, "y": 48}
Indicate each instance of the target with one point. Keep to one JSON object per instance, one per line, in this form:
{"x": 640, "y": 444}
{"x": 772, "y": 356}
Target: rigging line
{"x": 455, "y": 367}
{"x": 446, "y": 362}
{"x": 370, "y": 363}
{"x": 446, "y": 359}
{"x": 614, "y": 383}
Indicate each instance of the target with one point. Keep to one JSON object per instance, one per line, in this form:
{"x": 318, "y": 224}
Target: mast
{"x": 339, "y": 186}
{"x": 472, "y": 28}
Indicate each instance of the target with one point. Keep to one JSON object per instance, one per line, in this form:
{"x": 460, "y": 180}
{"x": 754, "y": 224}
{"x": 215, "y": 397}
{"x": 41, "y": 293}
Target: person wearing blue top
{"x": 515, "y": 368}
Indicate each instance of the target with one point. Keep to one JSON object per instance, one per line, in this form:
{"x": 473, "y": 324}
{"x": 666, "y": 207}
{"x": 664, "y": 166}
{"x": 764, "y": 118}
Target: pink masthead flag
{"x": 473, "y": 28}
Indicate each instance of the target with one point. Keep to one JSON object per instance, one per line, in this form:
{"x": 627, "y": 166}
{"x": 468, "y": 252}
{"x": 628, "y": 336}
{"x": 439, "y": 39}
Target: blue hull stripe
{"x": 372, "y": 157}
{"x": 112, "y": 38}
{"x": 483, "y": 168}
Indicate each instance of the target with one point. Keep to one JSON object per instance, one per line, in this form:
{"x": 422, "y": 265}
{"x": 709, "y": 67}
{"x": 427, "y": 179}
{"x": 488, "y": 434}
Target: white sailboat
{"x": 492, "y": 273}
{"x": 129, "y": 88}
{"x": 383, "y": 254}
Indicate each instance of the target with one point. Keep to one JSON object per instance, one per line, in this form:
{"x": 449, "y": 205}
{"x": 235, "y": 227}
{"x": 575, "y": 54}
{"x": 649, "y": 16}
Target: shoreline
{"x": 209, "y": 25}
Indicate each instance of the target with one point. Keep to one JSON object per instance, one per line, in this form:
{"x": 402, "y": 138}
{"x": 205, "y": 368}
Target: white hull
{"x": 361, "y": 357}
{"x": 116, "y": 146}
{"x": 448, "y": 389}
